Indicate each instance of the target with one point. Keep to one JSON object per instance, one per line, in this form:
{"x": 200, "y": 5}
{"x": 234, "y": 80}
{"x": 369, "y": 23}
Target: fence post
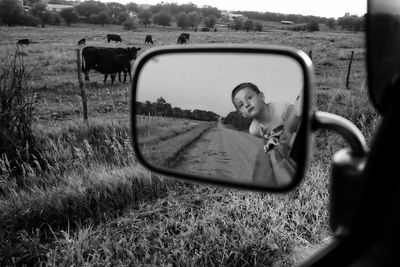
{"x": 348, "y": 70}
{"x": 81, "y": 86}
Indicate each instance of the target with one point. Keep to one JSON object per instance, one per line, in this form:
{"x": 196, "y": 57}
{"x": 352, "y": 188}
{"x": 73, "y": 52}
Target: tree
{"x": 248, "y": 24}
{"x": 114, "y": 9}
{"x": 48, "y": 18}
{"x": 122, "y": 17}
{"x": 32, "y": 2}
{"x": 88, "y": 8}
{"x": 210, "y": 21}
{"x": 177, "y": 112}
{"x": 10, "y": 12}
{"x": 181, "y": 20}
{"x": 194, "y": 19}
{"x": 129, "y": 24}
{"x": 69, "y": 15}
{"x": 132, "y": 7}
{"x": 210, "y": 11}
{"x": 331, "y": 23}
{"x": 237, "y": 24}
{"x": 162, "y": 18}
{"x": 312, "y": 26}
{"x": 102, "y": 18}
{"x": 57, "y": 19}
{"x": 351, "y": 22}
{"x": 258, "y": 26}
{"x": 39, "y": 10}
{"x": 145, "y": 17}
{"x": 28, "y": 20}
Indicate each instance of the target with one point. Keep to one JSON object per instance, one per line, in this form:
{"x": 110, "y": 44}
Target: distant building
{"x": 21, "y": 3}
{"x": 227, "y": 16}
{"x": 134, "y": 17}
{"x": 287, "y": 22}
{"x": 241, "y": 17}
{"x": 57, "y": 8}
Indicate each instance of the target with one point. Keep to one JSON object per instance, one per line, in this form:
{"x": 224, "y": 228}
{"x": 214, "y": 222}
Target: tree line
{"x": 163, "y": 109}
{"x": 165, "y": 14}
{"x": 237, "y": 121}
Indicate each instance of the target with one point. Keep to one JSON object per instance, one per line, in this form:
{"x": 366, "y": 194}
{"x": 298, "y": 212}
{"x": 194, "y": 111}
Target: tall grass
{"x": 92, "y": 175}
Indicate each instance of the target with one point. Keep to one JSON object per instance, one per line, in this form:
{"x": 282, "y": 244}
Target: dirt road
{"x": 223, "y": 153}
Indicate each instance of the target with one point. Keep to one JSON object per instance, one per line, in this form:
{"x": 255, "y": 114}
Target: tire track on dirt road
{"x": 222, "y": 153}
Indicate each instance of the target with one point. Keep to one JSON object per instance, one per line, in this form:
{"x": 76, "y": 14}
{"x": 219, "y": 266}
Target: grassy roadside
{"x": 92, "y": 176}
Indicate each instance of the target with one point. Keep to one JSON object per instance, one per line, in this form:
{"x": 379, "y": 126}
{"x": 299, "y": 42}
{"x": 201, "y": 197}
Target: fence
{"x": 344, "y": 66}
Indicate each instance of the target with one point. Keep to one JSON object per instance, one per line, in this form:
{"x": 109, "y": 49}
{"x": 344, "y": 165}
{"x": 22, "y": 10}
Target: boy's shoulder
{"x": 255, "y": 128}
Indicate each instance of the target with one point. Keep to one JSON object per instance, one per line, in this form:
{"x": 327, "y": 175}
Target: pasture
{"x": 95, "y": 205}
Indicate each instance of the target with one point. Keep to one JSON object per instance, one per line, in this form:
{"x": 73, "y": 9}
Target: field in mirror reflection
{"x": 187, "y": 120}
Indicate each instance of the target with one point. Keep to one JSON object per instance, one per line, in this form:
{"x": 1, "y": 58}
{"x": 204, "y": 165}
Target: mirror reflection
{"x": 221, "y": 115}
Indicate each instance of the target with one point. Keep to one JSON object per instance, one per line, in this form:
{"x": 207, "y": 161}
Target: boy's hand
{"x": 271, "y": 144}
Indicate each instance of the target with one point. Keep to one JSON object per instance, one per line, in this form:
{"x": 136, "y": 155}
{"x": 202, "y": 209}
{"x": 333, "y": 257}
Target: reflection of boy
{"x": 268, "y": 119}
{"x": 269, "y": 122}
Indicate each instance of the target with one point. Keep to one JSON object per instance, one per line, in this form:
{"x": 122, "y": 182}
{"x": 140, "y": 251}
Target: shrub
{"x": 28, "y": 20}
{"x": 298, "y": 28}
{"x": 258, "y": 26}
{"x": 312, "y": 26}
{"x": 129, "y": 24}
{"x": 17, "y": 107}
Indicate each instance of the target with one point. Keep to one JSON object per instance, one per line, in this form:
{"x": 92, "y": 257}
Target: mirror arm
{"x": 343, "y": 127}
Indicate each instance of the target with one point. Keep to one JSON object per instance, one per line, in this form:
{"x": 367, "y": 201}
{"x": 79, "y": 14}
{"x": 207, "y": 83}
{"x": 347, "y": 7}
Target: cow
{"x": 108, "y": 60}
{"x": 113, "y": 37}
{"x": 23, "y": 42}
{"x": 82, "y": 41}
{"x": 181, "y": 40}
{"x": 205, "y": 29}
{"x": 187, "y": 35}
{"x": 148, "y": 39}
{"x": 115, "y": 64}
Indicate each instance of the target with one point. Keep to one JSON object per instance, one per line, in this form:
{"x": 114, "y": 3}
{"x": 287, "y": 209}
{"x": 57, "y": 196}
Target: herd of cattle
{"x": 110, "y": 60}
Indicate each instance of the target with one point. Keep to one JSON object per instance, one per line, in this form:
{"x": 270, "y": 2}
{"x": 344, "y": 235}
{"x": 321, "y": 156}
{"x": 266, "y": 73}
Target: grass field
{"x": 95, "y": 205}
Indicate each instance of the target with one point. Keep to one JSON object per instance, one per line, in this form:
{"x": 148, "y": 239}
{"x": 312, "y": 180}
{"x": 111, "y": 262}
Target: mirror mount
{"x": 345, "y": 128}
{"x": 346, "y": 176}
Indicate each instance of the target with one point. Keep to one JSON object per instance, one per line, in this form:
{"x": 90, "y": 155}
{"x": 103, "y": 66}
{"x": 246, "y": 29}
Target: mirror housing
{"x": 184, "y": 63}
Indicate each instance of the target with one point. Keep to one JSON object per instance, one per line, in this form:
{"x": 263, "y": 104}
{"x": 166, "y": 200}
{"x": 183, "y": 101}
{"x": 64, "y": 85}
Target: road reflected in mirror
{"x": 203, "y": 114}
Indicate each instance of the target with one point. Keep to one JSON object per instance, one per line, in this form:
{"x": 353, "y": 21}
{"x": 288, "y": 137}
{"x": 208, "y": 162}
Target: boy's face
{"x": 248, "y": 102}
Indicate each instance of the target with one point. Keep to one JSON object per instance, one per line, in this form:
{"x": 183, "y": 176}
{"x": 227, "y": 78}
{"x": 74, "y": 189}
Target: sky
{"x": 322, "y": 8}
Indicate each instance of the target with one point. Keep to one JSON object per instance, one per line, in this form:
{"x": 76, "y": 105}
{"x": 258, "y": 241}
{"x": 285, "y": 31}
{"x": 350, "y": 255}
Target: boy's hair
{"x": 241, "y": 86}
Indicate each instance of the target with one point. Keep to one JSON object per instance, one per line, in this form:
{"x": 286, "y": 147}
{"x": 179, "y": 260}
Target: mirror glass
{"x": 383, "y": 51}
{"x": 189, "y": 120}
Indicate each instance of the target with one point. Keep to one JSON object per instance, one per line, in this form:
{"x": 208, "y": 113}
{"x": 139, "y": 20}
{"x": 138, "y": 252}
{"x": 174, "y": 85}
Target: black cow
{"x": 181, "y": 40}
{"x": 113, "y": 37}
{"x": 205, "y": 29}
{"x": 108, "y": 60}
{"x": 82, "y": 41}
{"x": 187, "y": 35}
{"x": 23, "y": 42}
{"x": 148, "y": 39}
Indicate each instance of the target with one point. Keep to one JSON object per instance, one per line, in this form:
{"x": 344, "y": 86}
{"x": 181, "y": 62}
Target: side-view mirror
{"x": 229, "y": 115}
